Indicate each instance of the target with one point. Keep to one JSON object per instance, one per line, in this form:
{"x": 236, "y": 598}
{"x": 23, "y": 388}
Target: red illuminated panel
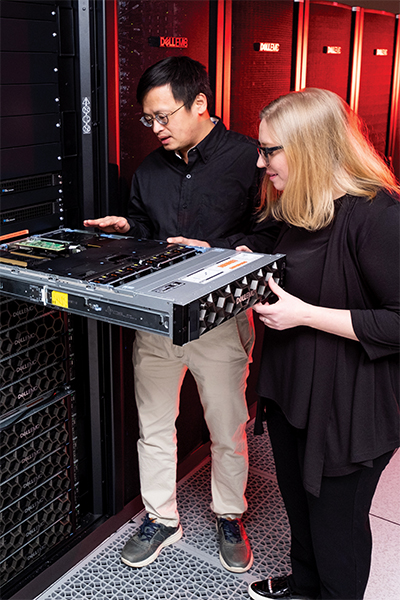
{"x": 376, "y": 75}
{"x": 259, "y": 77}
{"x": 328, "y": 55}
{"x": 137, "y": 22}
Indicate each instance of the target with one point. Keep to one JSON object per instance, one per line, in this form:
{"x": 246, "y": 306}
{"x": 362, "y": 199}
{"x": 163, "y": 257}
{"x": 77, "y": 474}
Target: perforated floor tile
{"x": 190, "y": 569}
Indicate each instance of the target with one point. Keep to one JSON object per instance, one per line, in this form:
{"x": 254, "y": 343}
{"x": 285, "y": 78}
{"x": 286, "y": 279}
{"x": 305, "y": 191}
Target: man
{"x": 197, "y": 189}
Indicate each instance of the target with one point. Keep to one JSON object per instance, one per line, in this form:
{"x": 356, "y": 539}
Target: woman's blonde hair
{"x": 327, "y": 154}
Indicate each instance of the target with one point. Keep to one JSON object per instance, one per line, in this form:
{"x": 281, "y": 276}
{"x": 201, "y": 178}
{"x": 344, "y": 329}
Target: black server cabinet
{"x": 39, "y": 487}
{"x": 53, "y": 402}
{"x": 48, "y": 451}
{"x": 31, "y": 117}
{"x": 54, "y": 169}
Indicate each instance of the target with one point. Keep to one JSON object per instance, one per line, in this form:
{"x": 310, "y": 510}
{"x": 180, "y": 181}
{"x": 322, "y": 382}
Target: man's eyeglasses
{"x": 161, "y": 118}
{"x": 266, "y": 152}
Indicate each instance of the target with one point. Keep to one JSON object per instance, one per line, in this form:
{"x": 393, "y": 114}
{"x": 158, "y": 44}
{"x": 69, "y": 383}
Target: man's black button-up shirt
{"x": 211, "y": 198}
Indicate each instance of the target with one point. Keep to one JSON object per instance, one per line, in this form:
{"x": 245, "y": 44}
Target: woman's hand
{"x": 287, "y": 312}
{"x": 290, "y": 311}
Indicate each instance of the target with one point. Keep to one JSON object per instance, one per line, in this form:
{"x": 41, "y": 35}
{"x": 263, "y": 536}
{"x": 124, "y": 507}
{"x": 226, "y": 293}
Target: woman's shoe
{"x": 274, "y": 587}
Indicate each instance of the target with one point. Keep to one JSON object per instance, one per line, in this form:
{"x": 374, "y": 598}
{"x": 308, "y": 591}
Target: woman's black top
{"x": 344, "y": 393}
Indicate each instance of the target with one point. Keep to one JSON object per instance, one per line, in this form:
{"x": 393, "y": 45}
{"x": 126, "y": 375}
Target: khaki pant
{"x": 219, "y": 363}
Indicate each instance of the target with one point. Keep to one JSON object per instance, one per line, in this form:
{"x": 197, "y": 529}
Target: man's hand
{"x": 243, "y": 249}
{"x": 109, "y": 224}
{"x": 187, "y": 242}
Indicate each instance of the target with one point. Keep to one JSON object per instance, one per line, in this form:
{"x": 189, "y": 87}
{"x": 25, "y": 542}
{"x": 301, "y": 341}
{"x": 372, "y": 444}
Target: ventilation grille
{"x": 36, "y": 524}
{"x": 31, "y": 332}
{"x": 35, "y": 386}
{"x": 28, "y": 213}
{"x": 16, "y": 312}
{"x": 27, "y": 184}
{"x": 27, "y": 362}
{"x": 24, "y": 557}
{"x": 35, "y": 450}
{"x": 224, "y": 303}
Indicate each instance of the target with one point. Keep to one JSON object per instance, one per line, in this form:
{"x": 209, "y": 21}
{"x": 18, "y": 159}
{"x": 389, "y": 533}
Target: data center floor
{"x": 190, "y": 569}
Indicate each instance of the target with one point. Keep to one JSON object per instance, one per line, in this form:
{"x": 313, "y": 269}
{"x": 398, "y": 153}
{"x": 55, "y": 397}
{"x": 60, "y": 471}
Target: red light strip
{"x": 356, "y": 67}
{"x": 113, "y": 83}
{"x": 394, "y": 108}
{"x": 299, "y": 47}
{"x": 219, "y": 70}
{"x": 306, "y": 27}
{"x": 302, "y": 44}
{"x": 226, "y": 109}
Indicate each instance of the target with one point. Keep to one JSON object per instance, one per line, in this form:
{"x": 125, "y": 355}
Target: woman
{"x": 329, "y": 374}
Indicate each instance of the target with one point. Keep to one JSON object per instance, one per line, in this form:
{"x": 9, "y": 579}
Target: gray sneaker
{"x": 148, "y": 541}
{"x": 234, "y": 547}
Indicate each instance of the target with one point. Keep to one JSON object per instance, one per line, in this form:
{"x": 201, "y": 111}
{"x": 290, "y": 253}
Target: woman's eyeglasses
{"x": 266, "y": 152}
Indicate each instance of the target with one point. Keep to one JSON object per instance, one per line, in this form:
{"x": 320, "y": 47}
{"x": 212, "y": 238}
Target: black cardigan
{"x": 351, "y": 414}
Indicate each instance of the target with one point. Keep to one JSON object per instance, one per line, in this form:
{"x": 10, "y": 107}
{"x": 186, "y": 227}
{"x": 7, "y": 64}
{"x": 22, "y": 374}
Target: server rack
{"x": 53, "y": 473}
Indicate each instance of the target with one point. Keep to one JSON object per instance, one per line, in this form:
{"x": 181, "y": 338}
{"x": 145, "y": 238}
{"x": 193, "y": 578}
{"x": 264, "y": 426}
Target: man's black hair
{"x": 187, "y": 78}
